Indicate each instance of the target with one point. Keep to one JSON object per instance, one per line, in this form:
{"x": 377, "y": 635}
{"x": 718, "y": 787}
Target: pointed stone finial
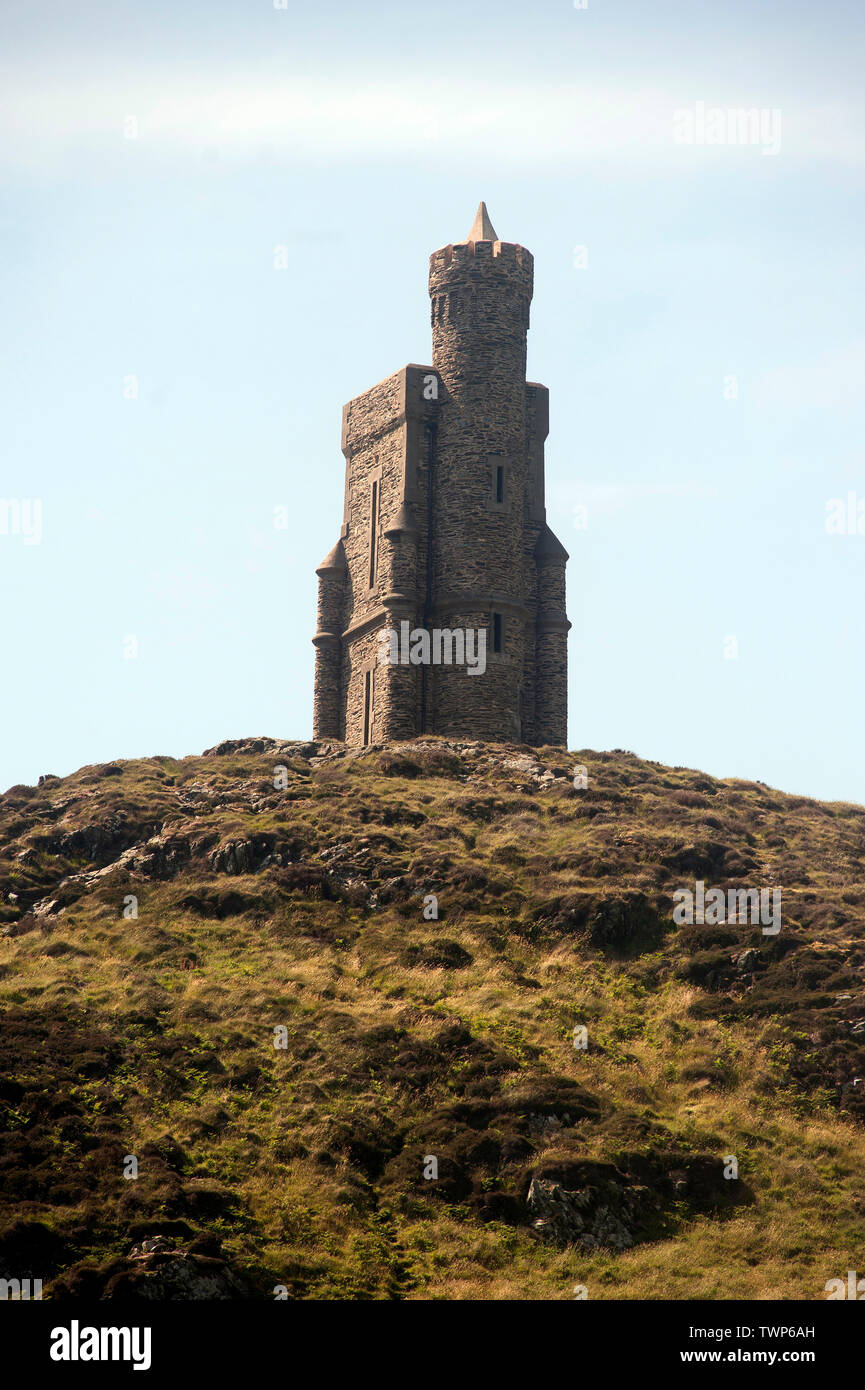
{"x": 482, "y": 227}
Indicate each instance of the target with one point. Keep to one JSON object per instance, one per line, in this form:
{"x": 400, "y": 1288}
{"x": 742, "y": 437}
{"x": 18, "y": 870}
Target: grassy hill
{"x": 293, "y": 914}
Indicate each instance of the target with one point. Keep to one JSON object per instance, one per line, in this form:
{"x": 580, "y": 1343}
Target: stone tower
{"x": 445, "y": 532}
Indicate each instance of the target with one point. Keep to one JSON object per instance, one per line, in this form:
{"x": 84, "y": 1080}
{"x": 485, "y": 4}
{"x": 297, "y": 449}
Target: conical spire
{"x": 482, "y": 227}
{"x": 334, "y": 559}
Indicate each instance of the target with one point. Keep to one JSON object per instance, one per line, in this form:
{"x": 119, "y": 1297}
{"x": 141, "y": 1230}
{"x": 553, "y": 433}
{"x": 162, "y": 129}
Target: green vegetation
{"x": 302, "y": 908}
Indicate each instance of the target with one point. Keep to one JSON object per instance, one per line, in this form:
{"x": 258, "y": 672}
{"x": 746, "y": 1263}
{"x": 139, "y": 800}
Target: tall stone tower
{"x": 445, "y": 531}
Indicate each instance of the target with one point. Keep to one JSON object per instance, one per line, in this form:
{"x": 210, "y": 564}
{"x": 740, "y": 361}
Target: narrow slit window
{"x": 367, "y": 706}
{"x": 372, "y": 532}
{"x": 497, "y": 632}
{"x": 500, "y": 483}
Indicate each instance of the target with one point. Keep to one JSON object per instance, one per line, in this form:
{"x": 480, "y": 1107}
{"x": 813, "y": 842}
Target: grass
{"x": 154, "y": 1036}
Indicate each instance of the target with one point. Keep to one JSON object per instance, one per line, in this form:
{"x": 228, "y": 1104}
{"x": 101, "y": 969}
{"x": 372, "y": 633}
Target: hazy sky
{"x": 153, "y": 156}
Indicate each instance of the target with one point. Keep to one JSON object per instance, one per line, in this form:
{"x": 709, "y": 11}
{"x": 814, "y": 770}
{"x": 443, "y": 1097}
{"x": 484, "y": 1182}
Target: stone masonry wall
{"x": 450, "y": 551}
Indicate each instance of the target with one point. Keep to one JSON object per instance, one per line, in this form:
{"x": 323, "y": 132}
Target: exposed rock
{"x": 588, "y": 1217}
{"x": 48, "y": 907}
{"x": 523, "y": 764}
{"x": 99, "y": 841}
{"x": 156, "y": 1270}
{"x": 748, "y": 960}
{"x": 291, "y": 748}
{"x": 618, "y": 922}
{"x": 247, "y": 856}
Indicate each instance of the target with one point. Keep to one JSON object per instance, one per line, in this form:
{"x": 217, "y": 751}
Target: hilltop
{"x": 163, "y": 923}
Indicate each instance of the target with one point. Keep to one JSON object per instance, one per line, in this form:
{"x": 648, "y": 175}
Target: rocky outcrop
{"x": 157, "y": 1270}
{"x": 587, "y": 1217}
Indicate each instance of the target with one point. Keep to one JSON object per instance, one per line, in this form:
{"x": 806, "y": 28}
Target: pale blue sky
{"x": 361, "y": 138}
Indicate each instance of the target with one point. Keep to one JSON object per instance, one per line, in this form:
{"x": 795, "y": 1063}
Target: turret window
{"x": 367, "y": 705}
{"x": 497, "y": 632}
{"x": 373, "y": 529}
{"x": 498, "y": 483}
